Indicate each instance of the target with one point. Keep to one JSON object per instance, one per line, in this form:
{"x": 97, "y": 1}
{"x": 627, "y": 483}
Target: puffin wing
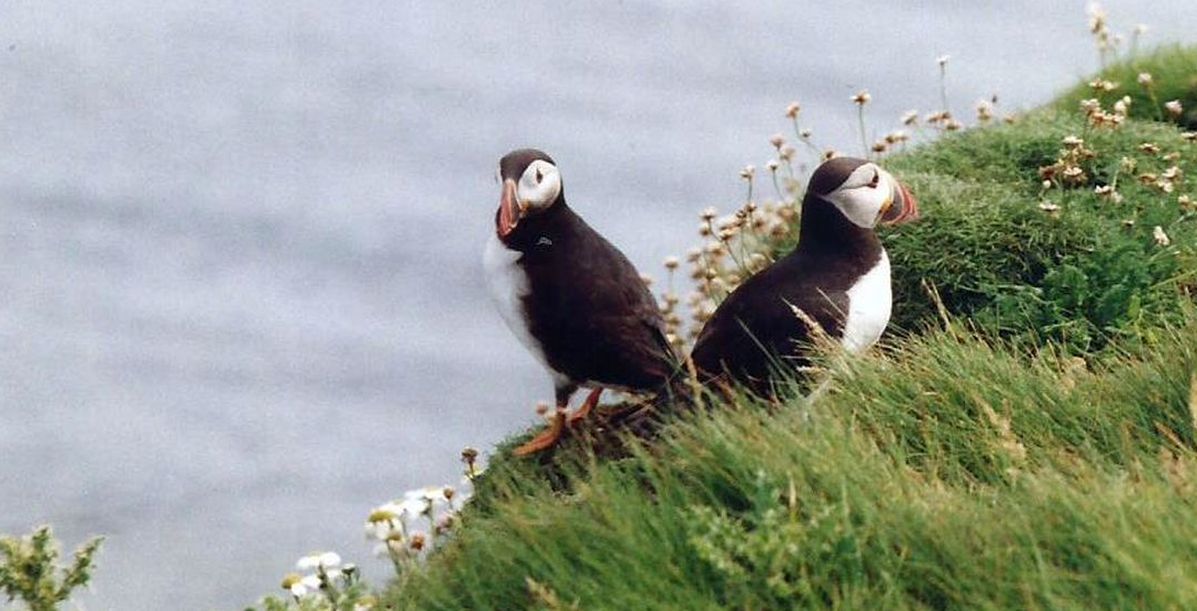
{"x": 756, "y": 331}
{"x": 597, "y": 321}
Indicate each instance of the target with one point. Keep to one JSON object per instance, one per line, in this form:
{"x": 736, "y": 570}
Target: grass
{"x": 1083, "y": 276}
{"x": 1174, "y": 77}
{"x": 1036, "y": 450}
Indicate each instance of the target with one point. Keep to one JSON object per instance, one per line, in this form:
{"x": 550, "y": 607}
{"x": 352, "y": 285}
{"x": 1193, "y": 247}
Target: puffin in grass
{"x": 838, "y": 277}
{"x": 570, "y": 297}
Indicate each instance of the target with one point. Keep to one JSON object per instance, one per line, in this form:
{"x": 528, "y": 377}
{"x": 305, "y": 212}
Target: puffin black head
{"x": 864, "y": 193}
{"x": 531, "y": 184}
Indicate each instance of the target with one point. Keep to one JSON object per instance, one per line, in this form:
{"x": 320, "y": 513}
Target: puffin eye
{"x": 876, "y": 180}
{"x": 539, "y": 176}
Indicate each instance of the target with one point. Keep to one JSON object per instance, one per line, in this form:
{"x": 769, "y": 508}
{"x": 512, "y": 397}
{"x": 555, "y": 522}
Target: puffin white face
{"x": 865, "y": 195}
{"x": 539, "y": 186}
{"x": 531, "y": 184}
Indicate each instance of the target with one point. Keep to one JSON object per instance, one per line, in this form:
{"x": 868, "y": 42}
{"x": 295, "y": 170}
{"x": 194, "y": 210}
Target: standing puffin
{"x": 574, "y": 301}
{"x": 838, "y": 276}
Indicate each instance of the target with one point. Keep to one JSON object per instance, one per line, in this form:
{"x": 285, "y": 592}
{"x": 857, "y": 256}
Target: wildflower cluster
{"x": 1166, "y": 181}
{"x": 735, "y": 246}
{"x": 407, "y": 529}
{"x": 1099, "y": 117}
{"x": 1069, "y": 167}
{"x": 326, "y": 578}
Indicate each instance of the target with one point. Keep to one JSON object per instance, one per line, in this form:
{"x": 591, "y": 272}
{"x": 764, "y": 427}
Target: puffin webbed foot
{"x": 588, "y": 406}
{"x": 546, "y": 438}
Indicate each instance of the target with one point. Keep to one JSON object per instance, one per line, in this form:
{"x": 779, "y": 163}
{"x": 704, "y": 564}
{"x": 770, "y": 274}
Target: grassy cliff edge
{"x": 1025, "y": 439}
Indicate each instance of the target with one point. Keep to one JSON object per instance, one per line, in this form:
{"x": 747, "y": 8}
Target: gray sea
{"x": 241, "y": 299}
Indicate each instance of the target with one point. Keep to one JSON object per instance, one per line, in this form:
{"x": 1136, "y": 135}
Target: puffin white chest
{"x": 870, "y": 301}
{"x": 508, "y": 285}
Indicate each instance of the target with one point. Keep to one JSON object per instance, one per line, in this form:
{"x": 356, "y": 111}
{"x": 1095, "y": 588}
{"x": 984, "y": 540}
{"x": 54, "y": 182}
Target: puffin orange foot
{"x": 546, "y": 439}
{"x": 587, "y": 407}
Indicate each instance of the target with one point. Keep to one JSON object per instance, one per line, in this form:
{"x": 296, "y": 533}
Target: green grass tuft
{"x": 1004, "y": 480}
{"x": 1080, "y": 276}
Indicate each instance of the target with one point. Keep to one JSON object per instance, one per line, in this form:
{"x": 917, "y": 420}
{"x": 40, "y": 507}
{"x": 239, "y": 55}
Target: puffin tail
{"x": 677, "y": 395}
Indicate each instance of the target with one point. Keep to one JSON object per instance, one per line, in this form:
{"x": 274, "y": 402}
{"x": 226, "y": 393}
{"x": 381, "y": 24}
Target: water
{"x": 240, "y": 292}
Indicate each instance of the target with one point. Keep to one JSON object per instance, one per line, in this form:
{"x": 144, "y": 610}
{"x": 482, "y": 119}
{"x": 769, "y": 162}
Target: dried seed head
{"x": 1161, "y": 238}
{"x": 417, "y": 541}
{"x": 910, "y": 117}
{"x": 777, "y": 140}
{"x": 792, "y": 110}
{"x": 671, "y": 263}
{"x": 748, "y": 172}
{"x": 757, "y": 261}
{"x": 942, "y": 60}
{"x": 772, "y": 164}
{"x": 1174, "y": 108}
{"x": 862, "y": 97}
{"x": 1145, "y": 79}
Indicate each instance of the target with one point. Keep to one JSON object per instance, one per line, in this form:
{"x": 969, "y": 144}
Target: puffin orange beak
{"x": 902, "y": 206}
{"x": 510, "y": 210}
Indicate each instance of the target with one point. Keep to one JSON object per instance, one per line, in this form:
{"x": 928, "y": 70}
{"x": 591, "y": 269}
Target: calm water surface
{"x": 240, "y": 292}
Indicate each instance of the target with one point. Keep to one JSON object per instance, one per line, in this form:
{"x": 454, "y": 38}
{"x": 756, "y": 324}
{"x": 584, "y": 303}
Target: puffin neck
{"x": 532, "y": 227}
{"x": 823, "y": 228}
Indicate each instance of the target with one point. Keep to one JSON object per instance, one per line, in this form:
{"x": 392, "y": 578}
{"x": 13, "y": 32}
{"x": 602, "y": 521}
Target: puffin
{"x": 838, "y": 277}
{"x": 570, "y": 297}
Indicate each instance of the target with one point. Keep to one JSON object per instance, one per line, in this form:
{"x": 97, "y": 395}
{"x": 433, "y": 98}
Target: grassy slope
{"x": 977, "y": 467}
